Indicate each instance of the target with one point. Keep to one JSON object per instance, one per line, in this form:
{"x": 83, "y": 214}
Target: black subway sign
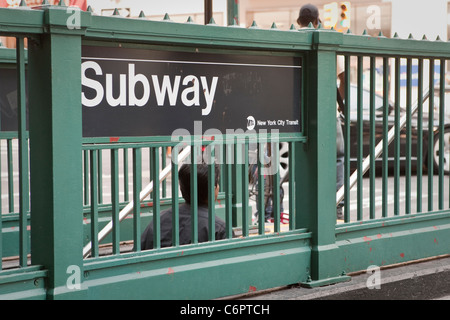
{"x": 128, "y": 92}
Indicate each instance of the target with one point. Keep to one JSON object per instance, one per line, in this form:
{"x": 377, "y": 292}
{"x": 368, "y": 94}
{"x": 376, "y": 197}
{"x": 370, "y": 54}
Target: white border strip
{"x": 193, "y": 62}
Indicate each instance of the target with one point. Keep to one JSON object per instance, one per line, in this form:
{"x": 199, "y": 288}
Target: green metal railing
{"x": 82, "y": 187}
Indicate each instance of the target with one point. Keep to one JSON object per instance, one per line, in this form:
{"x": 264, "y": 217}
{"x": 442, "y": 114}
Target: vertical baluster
{"x": 137, "y": 186}
{"x": 245, "y": 193}
{"x": 397, "y": 138}
{"x": 275, "y": 162}
{"x": 175, "y": 199}
{"x": 86, "y": 176}
{"x": 292, "y": 194}
{"x": 430, "y": 159}
{"x": 261, "y": 188}
{"x": 441, "y": 132}
{"x": 419, "y": 134}
{"x": 360, "y": 139}
{"x": 163, "y": 165}
{"x": 115, "y": 200}
{"x": 125, "y": 175}
{"x": 194, "y": 194}
{"x": 372, "y": 140}
{"x": 228, "y": 188}
{"x": 10, "y": 175}
{"x": 154, "y": 174}
{"x": 385, "y": 135}
{"x": 94, "y": 201}
{"x": 347, "y": 141}
{"x": 23, "y": 155}
{"x": 100, "y": 176}
{"x": 408, "y": 136}
{"x": 211, "y": 193}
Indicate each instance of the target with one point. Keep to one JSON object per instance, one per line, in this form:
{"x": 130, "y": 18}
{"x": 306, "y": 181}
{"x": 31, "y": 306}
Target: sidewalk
{"x": 427, "y": 279}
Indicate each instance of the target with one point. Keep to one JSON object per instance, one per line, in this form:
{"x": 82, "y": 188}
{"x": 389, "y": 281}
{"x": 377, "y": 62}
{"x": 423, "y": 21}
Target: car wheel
{"x": 446, "y": 155}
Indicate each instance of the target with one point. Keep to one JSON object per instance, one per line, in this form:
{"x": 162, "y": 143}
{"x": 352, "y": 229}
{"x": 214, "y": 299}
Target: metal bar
{"x": 115, "y": 201}
{"x": 228, "y": 190}
{"x": 194, "y": 195}
{"x": 419, "y": 135}
{"x": 129, "y": 207}
{"x": 125, "y": 175}
{"x": 292, "y": 190}
{"x": 441, "y": 132}
{"x": 275, "y": 162}
{"x": 346, "y": 188}
{"x": 163, "y": 165}
{"x": 372, "y": 140}
{"x": 385, "y": 134}
{"x": 10, "y": 176}
{"x": 431, "y": 136}
{"x": 175, "y": 198}
{"x": 24, "y": 200}
{"x": 154, "y": 174}
{"x": 261, "y": 189}
{"x": 137, "y": 187}
{"x": 86, "y": 176}
{"x": 360, "y": 138}
{"x": 245, "y": 192}
{"x": 408, "y": 136}
{"x": 94, "y": 202}
{"x": 397, "y": 139}
{"x": 211, "y": 195}
{"x": 100, "y": 176}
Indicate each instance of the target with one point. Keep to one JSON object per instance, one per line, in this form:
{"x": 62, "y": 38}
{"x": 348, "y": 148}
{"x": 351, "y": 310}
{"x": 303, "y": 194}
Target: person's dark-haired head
{"x": 308, "y": 14}
{"x": 184, "y": 176}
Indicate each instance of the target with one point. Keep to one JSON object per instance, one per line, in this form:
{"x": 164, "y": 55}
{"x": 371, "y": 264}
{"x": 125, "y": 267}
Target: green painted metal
{"x": 314, "y": 251}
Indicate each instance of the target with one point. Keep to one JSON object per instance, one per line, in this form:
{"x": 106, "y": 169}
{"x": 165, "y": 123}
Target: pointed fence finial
{"x": 166, "y": 17}
{"x": 190, "y": 20}
{"x": 45, "y": 3}
{"x": 212, "y": 21}
{"x": 310, "y": 25}
{"x": 62, "y": 3}
{"x": 254, "y": 25}
{"x": 274, "y": 26}
{"x": 23, "y": 3}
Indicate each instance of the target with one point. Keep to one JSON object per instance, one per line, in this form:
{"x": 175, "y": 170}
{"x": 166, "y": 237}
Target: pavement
{"x": 426, "y": 279}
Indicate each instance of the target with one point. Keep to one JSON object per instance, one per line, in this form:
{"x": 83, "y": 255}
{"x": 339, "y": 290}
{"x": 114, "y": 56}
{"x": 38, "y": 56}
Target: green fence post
{"x": 55, "y": 153}
{"x": 316, "y": 160}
